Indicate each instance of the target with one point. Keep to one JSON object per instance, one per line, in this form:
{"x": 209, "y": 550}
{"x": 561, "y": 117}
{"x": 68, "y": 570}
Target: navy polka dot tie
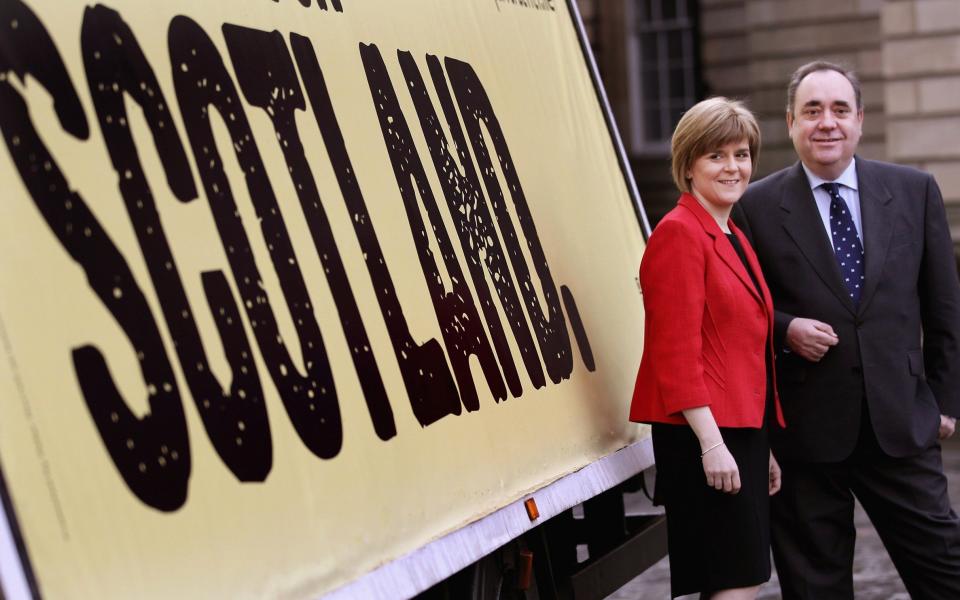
{"x": 846, "y": 243}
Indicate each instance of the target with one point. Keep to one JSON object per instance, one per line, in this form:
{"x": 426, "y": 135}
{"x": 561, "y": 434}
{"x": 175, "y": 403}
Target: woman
{"x": 705, "y": 381}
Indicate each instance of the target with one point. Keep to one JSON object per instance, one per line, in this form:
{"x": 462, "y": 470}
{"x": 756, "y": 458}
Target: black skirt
{"x": 715, "y": 540}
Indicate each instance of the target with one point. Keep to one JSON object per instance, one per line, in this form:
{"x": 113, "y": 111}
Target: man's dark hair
{"x": 821, "y": 65}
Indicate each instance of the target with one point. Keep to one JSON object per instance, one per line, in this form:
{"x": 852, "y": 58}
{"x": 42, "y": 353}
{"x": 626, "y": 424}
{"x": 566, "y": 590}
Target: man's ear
{"x": 790, "y": 119}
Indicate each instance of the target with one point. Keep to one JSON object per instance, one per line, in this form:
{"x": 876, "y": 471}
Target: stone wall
{"x": 906, "y": 52}
{"x": 752, "y": 46}
{"x": 921, "y": 68}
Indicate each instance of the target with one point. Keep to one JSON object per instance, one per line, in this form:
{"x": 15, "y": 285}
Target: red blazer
{"x": 706, "y": 328}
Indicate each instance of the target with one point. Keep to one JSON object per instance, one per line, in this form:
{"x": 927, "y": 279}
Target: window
{"x": 662, "y": 69}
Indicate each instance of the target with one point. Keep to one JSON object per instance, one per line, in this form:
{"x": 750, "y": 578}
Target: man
{"x": 858, "y": 257}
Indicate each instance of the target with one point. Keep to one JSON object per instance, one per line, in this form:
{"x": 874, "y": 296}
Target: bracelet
{"x": 717, "y": 445}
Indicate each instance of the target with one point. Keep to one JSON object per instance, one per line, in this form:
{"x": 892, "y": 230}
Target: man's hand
{"x": 947, "y": 426}
{"x": 810, "y": 338}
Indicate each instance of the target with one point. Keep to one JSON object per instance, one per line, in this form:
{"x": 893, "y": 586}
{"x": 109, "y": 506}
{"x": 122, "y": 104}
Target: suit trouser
{"x": 906, "y": 499}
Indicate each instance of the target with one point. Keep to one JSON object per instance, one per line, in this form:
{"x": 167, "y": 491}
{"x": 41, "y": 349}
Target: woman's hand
{"x": 721, "y": 470}
{"x": 775, "y": 475}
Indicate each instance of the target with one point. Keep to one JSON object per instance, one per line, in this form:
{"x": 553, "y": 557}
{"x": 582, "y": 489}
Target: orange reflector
{"x": 525, "y": 570}
{"x": 532, "y": 511}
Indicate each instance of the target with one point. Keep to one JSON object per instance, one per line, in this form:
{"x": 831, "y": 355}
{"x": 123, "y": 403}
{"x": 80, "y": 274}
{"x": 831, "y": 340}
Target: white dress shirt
{"x": 848, "y": 191}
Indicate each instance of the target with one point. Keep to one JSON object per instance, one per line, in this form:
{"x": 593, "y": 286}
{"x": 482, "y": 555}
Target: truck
{"x": 315, "y": 298}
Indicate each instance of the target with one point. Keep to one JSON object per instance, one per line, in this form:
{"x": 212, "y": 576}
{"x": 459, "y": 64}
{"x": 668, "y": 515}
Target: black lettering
{"x": 269, "y": 81}
{"x": 470, "y": 211}
{"x": 152, "y": 453}
{"x": 462, "y": 329}
{"x": 429, "y": 384}
{"x": 478, "y": 115}
{"x": 202, "y": 83}
{"x": 235, "y": 421}
{"x": 576, "y": 324}
{"x": 321, "y": 4}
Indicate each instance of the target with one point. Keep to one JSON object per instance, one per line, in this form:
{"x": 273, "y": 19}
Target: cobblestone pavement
{"x": 874, "y": 577}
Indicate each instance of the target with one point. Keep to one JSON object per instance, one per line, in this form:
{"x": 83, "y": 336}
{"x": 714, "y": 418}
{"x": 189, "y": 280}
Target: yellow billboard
{"x": 289, "y": 289}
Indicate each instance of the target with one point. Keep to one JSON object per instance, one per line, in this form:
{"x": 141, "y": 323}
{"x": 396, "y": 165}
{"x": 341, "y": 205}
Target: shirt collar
{"x": 848, "y": 178}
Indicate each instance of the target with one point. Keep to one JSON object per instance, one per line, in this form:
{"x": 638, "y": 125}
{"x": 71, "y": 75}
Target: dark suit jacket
{"x": 900, "y": 348}
{"x": 707, "y": 328}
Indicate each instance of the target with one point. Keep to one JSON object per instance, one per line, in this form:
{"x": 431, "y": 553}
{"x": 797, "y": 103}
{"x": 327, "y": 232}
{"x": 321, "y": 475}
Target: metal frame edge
{"x": 415, "y": 572}
{"x": 17, "y": 579}
{"x": 610, "y": 119}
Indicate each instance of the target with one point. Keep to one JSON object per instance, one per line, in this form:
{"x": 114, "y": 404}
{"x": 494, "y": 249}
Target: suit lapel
{"x": 877, "y": 226}
{"x": 721, "y": 244}
{"x": 803, "y": 224}
{"x": 754, "y": 263}
{"x": 728, "y": 255}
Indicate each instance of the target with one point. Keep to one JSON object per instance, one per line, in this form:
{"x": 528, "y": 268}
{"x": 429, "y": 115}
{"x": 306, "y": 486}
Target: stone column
{"x": 921, "y": 64}
{"x": 724, "y": 48}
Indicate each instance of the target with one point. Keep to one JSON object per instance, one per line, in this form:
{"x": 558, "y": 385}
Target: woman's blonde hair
{"x": 708, "y": 125}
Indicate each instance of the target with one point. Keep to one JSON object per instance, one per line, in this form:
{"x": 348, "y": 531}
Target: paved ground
{"x": 874, "y": 577}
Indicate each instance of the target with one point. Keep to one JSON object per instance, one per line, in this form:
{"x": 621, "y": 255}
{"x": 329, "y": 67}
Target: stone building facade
{"x": 906, "y": 52}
